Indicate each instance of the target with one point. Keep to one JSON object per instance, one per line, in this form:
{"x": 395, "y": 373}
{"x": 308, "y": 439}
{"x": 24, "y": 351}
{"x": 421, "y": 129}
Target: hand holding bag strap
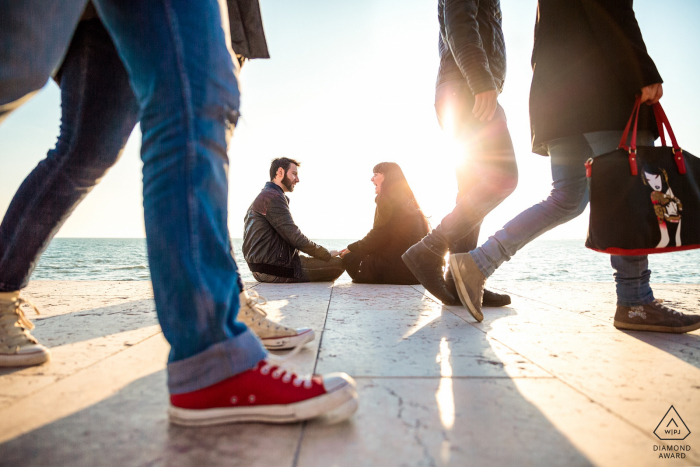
{"x": 662, "y": 119}
{"x": 632, "y": 148}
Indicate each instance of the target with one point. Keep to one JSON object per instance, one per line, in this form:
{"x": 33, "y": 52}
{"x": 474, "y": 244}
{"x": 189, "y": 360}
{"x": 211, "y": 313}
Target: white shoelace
{"x": 666, "y": 309}
{"x": 286, "y": 368}
{"x": 21, "y": 317}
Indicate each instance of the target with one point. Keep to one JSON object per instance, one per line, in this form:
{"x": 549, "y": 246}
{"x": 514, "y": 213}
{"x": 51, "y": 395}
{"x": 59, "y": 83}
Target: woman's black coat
{"x": 395, "y": 230}
{"x": 589, "y": 61}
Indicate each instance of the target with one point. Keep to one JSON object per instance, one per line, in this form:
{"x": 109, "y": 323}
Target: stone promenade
{"x": 545, "y": 381}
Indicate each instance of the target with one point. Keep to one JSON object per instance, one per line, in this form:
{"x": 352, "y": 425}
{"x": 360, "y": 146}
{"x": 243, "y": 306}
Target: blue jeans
{"x": 176, "y": 56}
{"x": 567, "y": 200}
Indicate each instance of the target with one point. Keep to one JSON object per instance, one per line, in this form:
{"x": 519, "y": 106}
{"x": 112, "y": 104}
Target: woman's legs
{"x": 567, "y": 200}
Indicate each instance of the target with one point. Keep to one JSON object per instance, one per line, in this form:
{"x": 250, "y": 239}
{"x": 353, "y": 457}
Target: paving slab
{"x": 475, "y": 421}
{"x": 410, "y": 343}
{"x": 545, "y": 381}
{"x": 122, "y": 421}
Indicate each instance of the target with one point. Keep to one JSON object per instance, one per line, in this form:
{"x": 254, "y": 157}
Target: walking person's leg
{"x": 99, "y": 112}
{"x": 183, "y": 75}
{"x": 487, "y": 176}
{"x": 637, "y": 308}
{"x": 567, "y": 200}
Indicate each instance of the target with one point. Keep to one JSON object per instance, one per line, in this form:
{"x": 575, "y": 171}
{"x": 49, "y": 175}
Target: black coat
{"x": 471, "y": 44}
{"x": 395, "y": 230}
{"x": 271, "y": 239}
{"x": 589, "y": 61}
{"x": 245, "y": 24}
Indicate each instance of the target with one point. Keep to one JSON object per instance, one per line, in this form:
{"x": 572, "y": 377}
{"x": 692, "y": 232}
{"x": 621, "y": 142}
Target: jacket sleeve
{"x": 616, "y": 29}
{"x": 280, "y": 218}
{"x": 375, "y": 239}
{"x": 464, "y": 40}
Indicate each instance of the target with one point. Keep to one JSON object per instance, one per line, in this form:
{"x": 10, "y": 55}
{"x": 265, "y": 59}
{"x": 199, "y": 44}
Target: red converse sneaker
{"x": 267, "y": 393}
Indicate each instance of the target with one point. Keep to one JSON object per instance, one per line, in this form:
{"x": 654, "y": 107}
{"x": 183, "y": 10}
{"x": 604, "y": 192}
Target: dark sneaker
{"x": 491, "y": 298}
{"x": 267, "y": 393}
{"x": 427, "y": 267}
{"x": 655, "y": 317}
{"x": 470, "y": 283}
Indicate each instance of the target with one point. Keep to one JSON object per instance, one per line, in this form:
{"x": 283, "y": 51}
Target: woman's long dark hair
{"x": 394, "y": 194}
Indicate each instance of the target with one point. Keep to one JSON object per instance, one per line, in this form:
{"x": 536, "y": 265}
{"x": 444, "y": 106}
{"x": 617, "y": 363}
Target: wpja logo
{"x": 672, "y": 428}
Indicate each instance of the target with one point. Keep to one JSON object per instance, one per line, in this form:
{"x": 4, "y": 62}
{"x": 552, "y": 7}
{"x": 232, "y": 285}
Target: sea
{"x": 542, "y": 260}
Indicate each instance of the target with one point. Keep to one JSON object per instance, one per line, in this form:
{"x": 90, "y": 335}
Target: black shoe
{"x": 494, "y": 299}
{"x": 491, "y": 299}
{"x": 427, "y": 267}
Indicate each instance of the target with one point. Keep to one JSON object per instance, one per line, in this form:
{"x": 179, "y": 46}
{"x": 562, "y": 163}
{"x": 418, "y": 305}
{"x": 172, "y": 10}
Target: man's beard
{"x": 288, "y": 183}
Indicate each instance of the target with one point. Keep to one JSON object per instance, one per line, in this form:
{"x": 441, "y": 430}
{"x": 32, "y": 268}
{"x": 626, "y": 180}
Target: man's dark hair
{"x": 283, "y": 162}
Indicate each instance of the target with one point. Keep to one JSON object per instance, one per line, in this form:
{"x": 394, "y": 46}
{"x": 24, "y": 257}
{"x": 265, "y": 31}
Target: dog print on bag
{"x": 667, "y": 207}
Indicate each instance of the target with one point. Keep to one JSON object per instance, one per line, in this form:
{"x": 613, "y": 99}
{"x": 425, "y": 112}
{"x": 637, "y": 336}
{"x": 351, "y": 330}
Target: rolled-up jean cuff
{"x": 476, "y": 256}
{"x": 217, "y": 363}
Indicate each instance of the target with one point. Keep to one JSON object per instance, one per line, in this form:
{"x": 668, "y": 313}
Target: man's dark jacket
{"x": 472, "y": 48}
{"x": 271, "y": 239}
{"x": 589, "y": 61}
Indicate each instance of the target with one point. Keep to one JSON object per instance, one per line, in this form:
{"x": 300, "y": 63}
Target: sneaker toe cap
{"x": 335, "y": 381}
{"x": 33, "y": 349}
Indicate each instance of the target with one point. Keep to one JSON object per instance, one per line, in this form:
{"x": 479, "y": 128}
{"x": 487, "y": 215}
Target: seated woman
{"x": 398, "y": 224}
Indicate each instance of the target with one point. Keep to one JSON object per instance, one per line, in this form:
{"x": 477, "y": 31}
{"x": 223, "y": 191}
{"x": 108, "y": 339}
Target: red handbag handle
{"x": 632, "y": 148}
{"x": 661, "y": 122}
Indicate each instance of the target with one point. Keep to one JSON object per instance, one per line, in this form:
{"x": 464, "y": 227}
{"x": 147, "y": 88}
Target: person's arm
{"x": 616, "y": 29}
{"x": 376, "y": 238}
{"x": 464, "y": 41}
{"x": 280, "y": 218}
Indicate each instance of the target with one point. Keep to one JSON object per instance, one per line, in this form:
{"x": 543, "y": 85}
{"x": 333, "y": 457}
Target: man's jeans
{"x": 568, "y": 199}
{"x": 308, "y": 270}
{"x": 183, "y": 76}
{"x": 486, "y": 175}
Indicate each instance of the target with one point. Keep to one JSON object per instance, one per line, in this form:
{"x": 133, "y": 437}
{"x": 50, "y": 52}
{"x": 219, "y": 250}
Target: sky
{"x": 349, "y": 85}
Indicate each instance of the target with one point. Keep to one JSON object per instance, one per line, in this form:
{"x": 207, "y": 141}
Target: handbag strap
{"x": 661, "y": 122}
{"x": 659, "y": 125}
{"x": 632, "y": 148}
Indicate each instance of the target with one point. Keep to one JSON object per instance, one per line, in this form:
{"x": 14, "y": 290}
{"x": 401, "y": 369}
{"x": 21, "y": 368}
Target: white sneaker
{"x": 17, "y": 346}
{"x": 274, "y": 336}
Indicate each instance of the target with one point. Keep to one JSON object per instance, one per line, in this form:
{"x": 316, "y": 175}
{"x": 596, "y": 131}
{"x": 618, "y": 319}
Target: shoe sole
{"x": 289, "y": 342}
{"x": 647, "y": 327}
{"x": 462, "y": 291}
{"x": 334, "y": 407}
{"x": 28, "y": 359}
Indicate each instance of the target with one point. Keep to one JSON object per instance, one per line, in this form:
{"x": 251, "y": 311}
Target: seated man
{"x": 272, "y": 241}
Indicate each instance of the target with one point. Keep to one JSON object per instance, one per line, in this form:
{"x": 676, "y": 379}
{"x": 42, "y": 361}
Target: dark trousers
{"x": 98, "y": 113}
{"x": 309, "y": 270}
{"x": 371, "y": 269}
{"x": 486, "y": 176}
